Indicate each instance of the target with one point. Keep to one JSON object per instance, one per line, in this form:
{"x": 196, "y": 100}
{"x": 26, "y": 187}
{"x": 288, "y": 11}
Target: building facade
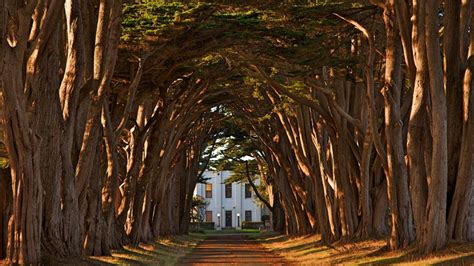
{"x": 229, "y": 204}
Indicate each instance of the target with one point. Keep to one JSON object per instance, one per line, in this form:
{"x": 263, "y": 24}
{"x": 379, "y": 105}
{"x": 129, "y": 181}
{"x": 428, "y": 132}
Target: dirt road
{"x": 231, "y": 249}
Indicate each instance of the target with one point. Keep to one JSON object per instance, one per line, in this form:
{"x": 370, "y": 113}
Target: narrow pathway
{"x": 231, "y": 249}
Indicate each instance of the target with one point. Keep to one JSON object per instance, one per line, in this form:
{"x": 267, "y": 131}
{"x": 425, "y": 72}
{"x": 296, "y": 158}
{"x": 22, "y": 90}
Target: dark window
{"x": 208, "y": 216}
{"x": 248, "y": 216}
{"x": 248, "y": 191}
{"x": 209, "y": 191}
{"x": 228, "y": 191}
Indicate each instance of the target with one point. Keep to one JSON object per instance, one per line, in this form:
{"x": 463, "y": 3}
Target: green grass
{"x": 165, "y": 251}
{"x": 231, "y": 231}
{"x": 308, "y": 249}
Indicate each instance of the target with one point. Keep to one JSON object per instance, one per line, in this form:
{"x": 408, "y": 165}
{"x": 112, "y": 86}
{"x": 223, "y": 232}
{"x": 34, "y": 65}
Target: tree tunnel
{"x": 108, "y": 112}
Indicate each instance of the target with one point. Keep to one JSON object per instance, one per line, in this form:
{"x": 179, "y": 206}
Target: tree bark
{"x": 24, "y": 228}
{"x": 458, "y": 223}
{"x": 402, "y": 232}
{"x": 434, "y": 231}
{"x": 453, "y": 87}
{"x": 415, "y": 141}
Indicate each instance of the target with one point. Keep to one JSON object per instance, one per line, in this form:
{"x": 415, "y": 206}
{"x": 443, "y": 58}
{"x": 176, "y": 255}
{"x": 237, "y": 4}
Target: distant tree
{"x": 198, "y": 210}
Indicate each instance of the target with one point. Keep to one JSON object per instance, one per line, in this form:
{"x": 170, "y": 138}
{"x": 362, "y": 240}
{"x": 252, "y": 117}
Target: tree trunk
{"x": 397, "y": 178}
{"x": 458, "y": 219}
{"x": 110, "y": 187}
{"x": 416, "y": 127}
{"x": 434, "y": 230}
{"x": 454, "y": 91}
{"x": 24, "y": 228}
{"x": 5, "y": 209}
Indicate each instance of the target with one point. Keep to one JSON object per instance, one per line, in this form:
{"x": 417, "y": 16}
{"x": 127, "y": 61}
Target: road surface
{"x": 231, "y": 249}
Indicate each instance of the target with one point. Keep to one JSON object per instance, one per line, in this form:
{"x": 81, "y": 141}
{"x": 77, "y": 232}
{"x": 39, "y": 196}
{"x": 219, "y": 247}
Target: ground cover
{"x": 302, "y": 250}
{"x": 231, "y": 231}
{"x": 165, "y": 251}
{"x": 310, "y": 250}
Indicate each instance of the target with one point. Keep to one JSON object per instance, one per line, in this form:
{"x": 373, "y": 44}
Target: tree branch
{"x": 260, "y": 197}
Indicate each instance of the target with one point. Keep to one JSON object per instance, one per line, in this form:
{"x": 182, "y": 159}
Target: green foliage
{"x": 298, "y": 87}
{"x": 289, "y": 38}
{"x": 198, "y": 208}
{"x": 242, "y": 18}
{"x": 200, "y": 227}
{"x": 234, "y": 132}
{"x": 153, "y": 17}
{"x": 4, "y": 163}
{"x": 251, "y": 225}
{"x": 239, "y": 171}
{"x": 302, "y": 31}
{"x": 210, "y": 59}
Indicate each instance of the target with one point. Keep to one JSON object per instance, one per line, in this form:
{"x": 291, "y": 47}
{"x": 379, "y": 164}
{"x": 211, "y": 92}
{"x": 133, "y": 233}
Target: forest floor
{"x": 309, "y": 250}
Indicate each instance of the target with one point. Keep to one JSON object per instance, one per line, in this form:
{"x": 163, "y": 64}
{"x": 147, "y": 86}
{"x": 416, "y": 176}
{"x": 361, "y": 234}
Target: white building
{"x": 229, "y": 204}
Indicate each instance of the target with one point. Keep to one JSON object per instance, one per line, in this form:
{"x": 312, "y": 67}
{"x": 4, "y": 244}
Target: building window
{"x": 228, "y": 191}
{"x": 209, "y": 191}
{"x": 248, "y": 191}
{"x": 208, "y": 216}
{"x": 248, "y": 216}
